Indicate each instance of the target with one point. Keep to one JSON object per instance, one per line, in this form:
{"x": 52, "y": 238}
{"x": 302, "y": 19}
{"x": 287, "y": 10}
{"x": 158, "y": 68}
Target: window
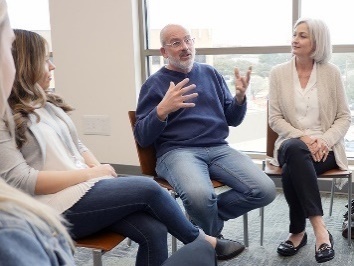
{"x": 231, "y": 33}
{"x": 338, "y": 15}
{"x": 31, "y": 15}
{"x": 223, "y": 23}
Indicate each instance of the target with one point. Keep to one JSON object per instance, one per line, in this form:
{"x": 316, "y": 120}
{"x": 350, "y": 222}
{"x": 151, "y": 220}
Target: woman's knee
{"x": 293, "y": 145}
{"x": 293, "y": 151}
{"x": 149, "y": 186}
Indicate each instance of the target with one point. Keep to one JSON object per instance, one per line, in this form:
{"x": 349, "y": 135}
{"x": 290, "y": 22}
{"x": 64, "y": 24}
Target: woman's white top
{"x": 62, "y": 155}
{"x": 306, "y": 104}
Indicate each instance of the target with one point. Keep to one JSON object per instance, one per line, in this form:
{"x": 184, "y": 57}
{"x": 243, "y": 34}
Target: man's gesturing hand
{"x": 175, "y": 98}
{"x": 241, "y": 84}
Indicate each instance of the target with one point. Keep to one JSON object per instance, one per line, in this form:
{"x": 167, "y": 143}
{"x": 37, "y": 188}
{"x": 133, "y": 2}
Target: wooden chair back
{"x": 147, "y": 159}
{"x": 271, "y": 137}
{"x": 147, "y": 156}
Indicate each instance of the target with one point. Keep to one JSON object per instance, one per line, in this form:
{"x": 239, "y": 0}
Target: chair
{"x": 274, "y": 171}
{"x": 100, "y": 243}
{"x": 147, "y": 159}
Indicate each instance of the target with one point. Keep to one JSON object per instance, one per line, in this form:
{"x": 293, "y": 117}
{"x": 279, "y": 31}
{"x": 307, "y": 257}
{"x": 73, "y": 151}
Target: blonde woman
{"x": 31, "y": 233}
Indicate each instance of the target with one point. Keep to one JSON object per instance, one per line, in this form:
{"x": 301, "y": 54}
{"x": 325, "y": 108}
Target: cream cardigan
{"x": 334, "y": 110}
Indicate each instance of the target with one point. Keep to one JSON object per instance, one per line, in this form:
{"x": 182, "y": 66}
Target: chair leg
{"x": 332, "y": 195}
{"x": 129, "y": 242}
{"x": 349, "y": 209}
{"x": 174, "y": 244}
{"x": 174, "y": 239}
{"x": 245, "y": 229}
{"x": 261, "y": 210}
{"x": 97, "y": 257}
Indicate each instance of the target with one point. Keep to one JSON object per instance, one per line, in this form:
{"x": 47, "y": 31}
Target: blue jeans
{"x": 190, "y": 170}
{"x": 299, "y": 179}
{"x": 136, "y": 207}
{"x": 25, "y": 242}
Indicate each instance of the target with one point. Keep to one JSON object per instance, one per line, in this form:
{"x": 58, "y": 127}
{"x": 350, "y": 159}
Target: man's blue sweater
{"x": 204, "y": 125}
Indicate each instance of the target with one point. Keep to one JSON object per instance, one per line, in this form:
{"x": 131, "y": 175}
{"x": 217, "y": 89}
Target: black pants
{"x": 299, "y": 179}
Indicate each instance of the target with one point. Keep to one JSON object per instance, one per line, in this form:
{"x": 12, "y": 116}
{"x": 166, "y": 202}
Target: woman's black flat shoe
{"x": 325, "y": 252}
{"x": 287, "y": 248}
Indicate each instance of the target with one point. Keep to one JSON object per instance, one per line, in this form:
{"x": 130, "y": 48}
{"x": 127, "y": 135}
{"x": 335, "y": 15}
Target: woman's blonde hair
{"x": 16, "y": 202}
{"x": 23, "y": 206}
{"x": 30, "y": 51}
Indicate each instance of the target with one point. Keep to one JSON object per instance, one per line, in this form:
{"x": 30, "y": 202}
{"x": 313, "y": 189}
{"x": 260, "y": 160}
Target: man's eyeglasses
{"x": 176, "y": 44}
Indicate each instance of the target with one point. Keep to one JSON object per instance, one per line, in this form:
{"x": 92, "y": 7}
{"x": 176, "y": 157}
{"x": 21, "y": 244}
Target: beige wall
{"x": 95, "y": 48}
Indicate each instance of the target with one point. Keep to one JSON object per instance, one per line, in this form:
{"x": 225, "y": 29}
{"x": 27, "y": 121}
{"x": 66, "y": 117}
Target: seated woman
{"x": 31, "y": 233}
{"x": 50, "y": 163}
{"x": 309, "y": 111}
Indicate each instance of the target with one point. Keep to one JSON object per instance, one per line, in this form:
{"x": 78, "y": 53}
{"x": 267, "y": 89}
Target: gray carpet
{"x": 276, "y": 230}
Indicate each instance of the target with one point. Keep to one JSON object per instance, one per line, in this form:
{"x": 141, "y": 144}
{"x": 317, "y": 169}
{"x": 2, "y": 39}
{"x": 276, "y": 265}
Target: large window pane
{"x": 345, "y": 62}
{"x": 227, "y": 25}
{"x": 337, "y": 14}
{"x": 224, "y": 22}
{"x": 32, "y": 15}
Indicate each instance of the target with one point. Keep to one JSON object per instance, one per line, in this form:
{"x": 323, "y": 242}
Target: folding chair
{"x": 100, "y": 243}
{"x": 147, "y": 159}
{"x": 274, "y": 171}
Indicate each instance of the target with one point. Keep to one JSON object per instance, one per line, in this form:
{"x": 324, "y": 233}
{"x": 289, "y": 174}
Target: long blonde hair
{"x": 16, "y": 202}
{"x": 29, "y": 51}
{"x": 23, "y": 206}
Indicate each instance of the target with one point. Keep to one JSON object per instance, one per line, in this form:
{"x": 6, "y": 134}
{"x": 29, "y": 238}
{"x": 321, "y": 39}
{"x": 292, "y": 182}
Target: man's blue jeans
{"x": 189, "y": 171}
{"x": 136, "y": 207}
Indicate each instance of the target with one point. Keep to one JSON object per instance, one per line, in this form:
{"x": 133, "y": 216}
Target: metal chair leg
{"x": 350, "y": 210}
{"x": 261, "y": 210}
{"x": 97, "y": 257}
{"x": 174, "y": 239}
{"x": 332, "y": 196}
{"x": 245, "y": 229}
{"x": 174, "y": 244}
{"x": 129, "y": 242}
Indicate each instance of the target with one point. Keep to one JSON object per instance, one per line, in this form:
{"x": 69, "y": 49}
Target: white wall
{"x": 96, "y": 53}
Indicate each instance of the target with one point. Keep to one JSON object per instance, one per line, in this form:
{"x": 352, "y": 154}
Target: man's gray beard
{"x": 184, "y": 65}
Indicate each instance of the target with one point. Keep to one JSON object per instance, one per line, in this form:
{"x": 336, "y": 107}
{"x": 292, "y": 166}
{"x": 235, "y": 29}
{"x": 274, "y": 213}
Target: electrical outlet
{"x": 96, "y": 125}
